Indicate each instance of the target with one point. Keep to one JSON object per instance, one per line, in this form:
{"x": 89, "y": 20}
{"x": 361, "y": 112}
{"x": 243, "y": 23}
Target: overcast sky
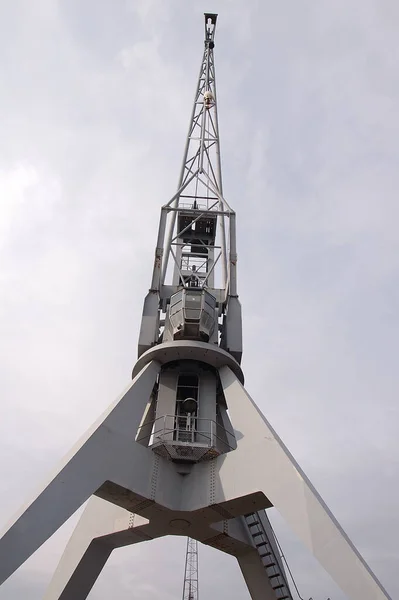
{"x": 95, "y": 97}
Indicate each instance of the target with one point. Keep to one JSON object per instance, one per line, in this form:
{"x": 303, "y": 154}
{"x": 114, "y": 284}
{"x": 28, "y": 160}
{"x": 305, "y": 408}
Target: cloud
{"x": 94, "y": 109}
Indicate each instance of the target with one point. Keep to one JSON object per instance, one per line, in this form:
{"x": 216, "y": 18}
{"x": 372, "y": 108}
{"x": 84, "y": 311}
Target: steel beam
{"x": 106, "y": 452}
{"x": 262, "y": 463}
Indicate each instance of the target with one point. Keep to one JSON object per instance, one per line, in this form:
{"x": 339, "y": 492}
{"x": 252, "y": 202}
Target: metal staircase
{"x": 263, "y": 538}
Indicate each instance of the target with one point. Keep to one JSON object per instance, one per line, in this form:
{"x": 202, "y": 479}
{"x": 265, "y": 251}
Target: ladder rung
{"x": 253, "y": 523}
{"x": 257, "y": 533}
{"x": 278, "y": 587}
{"x": 264, "y": 554}
{"x": 271, "y": 564}
{"x": 273, "y": 576}
{"x": 261, "y": 544}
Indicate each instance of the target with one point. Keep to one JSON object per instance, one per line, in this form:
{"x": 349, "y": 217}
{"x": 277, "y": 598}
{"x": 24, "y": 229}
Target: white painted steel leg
{"x": 102, "y": 527}
{"x": 85, "y": 556}
{"x": 106, "y": 452}
{"x": 261, "y": 462}
{"x": 258, "y": 583}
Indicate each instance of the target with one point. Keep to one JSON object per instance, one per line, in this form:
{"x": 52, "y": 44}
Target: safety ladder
{"x": 268, "y": 553}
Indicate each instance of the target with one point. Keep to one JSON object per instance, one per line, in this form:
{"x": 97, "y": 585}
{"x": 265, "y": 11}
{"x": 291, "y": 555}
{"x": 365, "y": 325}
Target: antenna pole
{"x": 190, "y": 585}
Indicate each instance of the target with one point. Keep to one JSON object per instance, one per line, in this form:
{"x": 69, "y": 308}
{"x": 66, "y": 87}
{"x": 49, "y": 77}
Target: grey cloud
{"x": 94, "y": 109}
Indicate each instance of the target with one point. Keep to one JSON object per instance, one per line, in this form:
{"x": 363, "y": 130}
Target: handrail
{"x": 162, "y": 433}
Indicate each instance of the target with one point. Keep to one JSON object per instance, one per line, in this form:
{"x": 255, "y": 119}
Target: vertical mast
{"x": 196, "y": 245}
{"x": 190, "y": 585}
{"x": 200, "y": 182}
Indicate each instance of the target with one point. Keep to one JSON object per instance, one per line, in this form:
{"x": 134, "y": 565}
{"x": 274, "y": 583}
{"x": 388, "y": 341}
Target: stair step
{"x": 266, "y": 553}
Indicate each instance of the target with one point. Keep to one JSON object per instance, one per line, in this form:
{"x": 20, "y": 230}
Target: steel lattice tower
{"x": 185, "y": 450}
{"x": 200, "y": 182}
{"x": 190, "y": 585}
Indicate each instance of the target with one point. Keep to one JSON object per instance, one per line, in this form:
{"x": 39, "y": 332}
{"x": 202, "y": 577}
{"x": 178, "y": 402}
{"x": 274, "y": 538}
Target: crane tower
{"x": 185, "y": 450}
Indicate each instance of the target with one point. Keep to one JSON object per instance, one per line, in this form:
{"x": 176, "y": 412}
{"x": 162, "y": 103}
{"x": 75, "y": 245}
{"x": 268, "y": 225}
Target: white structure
{"x": 185, "y": 450}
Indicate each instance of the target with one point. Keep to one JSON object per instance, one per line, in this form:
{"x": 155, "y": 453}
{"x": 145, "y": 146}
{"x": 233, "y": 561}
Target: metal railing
{"x": 188, "y": 432}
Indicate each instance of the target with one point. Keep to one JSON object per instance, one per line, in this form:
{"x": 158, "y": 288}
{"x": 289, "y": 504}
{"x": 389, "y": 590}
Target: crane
{"x": 185, "y": 450}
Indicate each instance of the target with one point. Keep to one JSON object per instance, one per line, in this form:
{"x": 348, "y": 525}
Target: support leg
{"x": 255, "y": 576}
{"x": 106, "y": 452}
{"x": 83, "y": 578}
{"x": 86, "y": 553}
{"x": 102, "y": 527}
{"x": 261, "y": 462}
